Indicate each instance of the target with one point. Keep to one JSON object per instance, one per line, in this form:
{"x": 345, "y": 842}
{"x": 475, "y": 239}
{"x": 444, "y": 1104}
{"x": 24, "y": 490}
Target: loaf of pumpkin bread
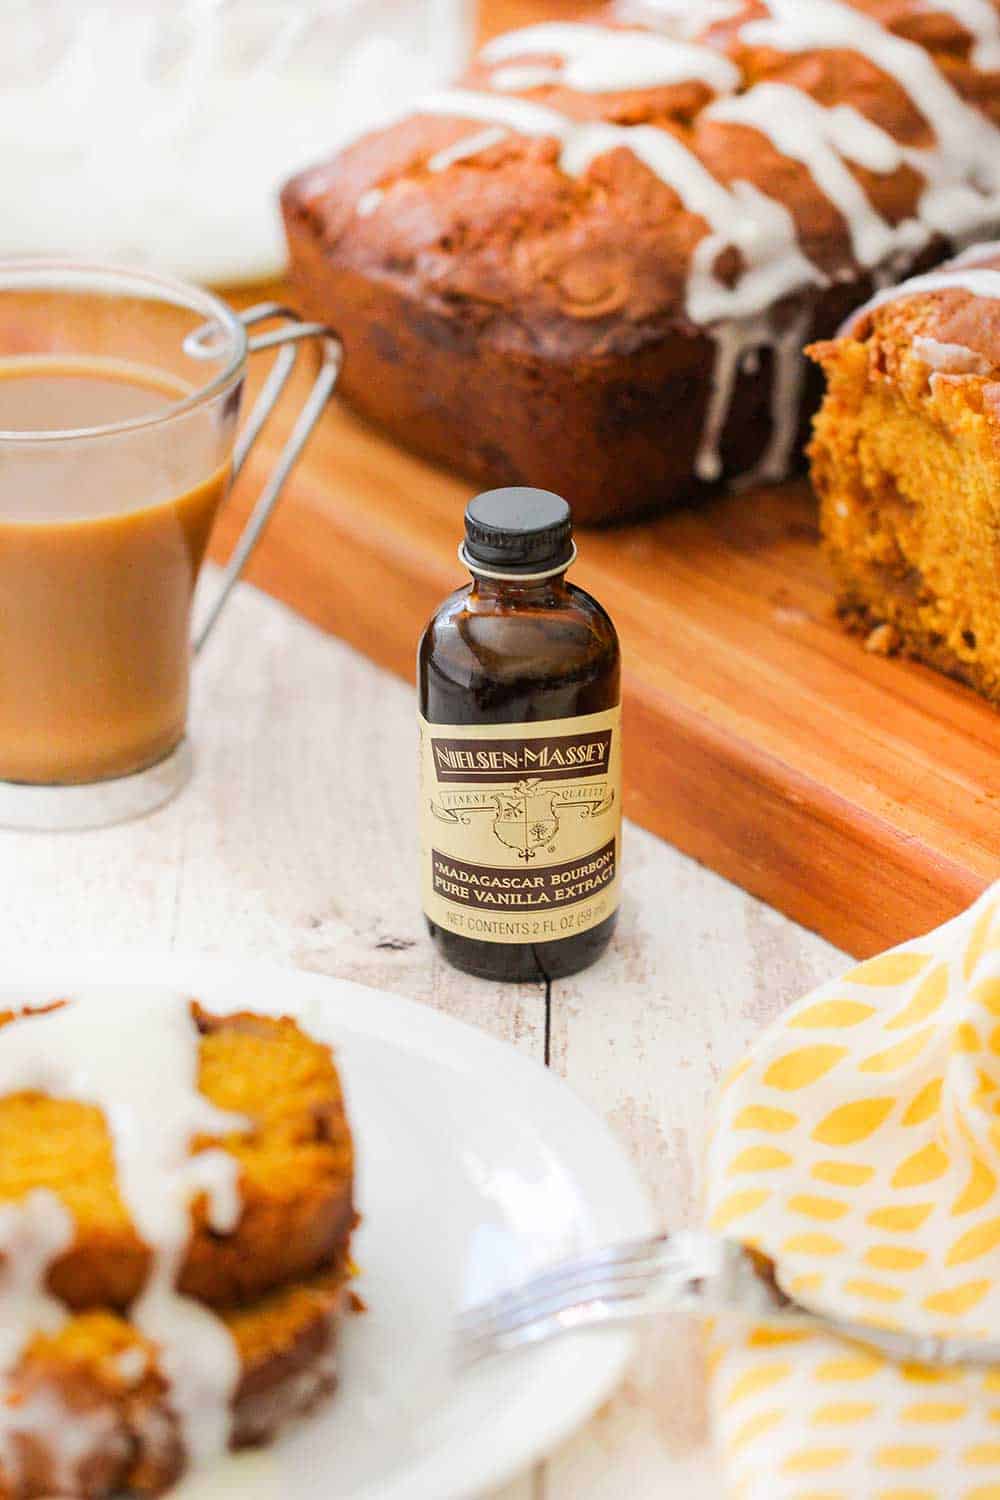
{"x": 593, "y": 266}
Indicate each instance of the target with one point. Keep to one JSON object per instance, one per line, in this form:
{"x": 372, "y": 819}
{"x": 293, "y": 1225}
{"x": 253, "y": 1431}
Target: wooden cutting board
{"x": 859, "y": 795}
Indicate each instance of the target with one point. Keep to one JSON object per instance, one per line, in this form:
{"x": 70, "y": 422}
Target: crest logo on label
{"x": 526, "y": 819}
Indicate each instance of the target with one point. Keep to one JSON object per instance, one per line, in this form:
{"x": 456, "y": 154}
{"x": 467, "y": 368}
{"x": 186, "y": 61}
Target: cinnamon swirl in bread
{"x": 906, "y": 461}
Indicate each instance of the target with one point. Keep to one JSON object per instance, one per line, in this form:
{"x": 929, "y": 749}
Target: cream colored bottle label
{"x": 521, "y": 826}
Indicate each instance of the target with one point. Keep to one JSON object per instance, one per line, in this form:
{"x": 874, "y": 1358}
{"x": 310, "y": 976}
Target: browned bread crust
{"x": 296, "y": 1172}
{"x": 87, "y": 1415}
{"x": 906, "y": 462}
{"x": 524, "y": 324}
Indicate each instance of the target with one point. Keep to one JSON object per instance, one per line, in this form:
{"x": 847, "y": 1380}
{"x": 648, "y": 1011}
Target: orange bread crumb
{"x": 296, "y": 1169}
{"x": 906, "y": 462}
{"x": 87, "y": 1412}
{"x": 97, "y": 1381}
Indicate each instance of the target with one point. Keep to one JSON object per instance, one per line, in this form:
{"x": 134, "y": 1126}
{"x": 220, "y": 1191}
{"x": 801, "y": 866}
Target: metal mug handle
{"x": 288, "y": 338}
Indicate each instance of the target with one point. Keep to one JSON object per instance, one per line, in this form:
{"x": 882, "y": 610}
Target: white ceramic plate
{"x": 476, "y": 1167}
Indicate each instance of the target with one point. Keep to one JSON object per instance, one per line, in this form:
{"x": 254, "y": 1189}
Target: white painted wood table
{"x": 297, "y": 841}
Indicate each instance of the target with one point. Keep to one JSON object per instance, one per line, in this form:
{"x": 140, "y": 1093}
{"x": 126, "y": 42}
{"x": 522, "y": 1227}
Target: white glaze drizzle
{"x": 739, "y": 338}
{"x": 733, "y": 342}
{"x": 600, "y": 60}
{"x": 369, "y": 202}
{"x": 133, "y": 1053}
{"x": 977, "y": 282}
{"x": 950, "y": 359}
{"x": 520, "y": 115}
{"x": 824, "y": 140}
{"x": 519, "y": 77}
{"x": 980, "y": 19}
{"x": 787, "y": 376}
{"x": 737, "y": 351}
{"x": 680, "y": 18}
{"x": 974, "y": 255}
{"x": 763, "y": 230}
{"x": 33, "y": 1232}
{"x": 742, "y": 216}
{"x": 132, "y": 1364}
{"x": 70, "y": 1438}
{"x": 961, "y": 173}
{"x": 760, "y": 228}
{"x": 472, "y": 145}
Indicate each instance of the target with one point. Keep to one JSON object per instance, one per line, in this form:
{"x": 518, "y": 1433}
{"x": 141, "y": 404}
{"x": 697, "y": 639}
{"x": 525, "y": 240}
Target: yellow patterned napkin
{"x": 859, "y": 1145}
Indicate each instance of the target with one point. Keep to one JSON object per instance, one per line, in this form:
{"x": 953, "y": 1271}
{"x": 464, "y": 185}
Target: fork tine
{"x": 543, "y": 1306}
{"x": 641, "y": 1257}
{"x": 639, "y": 1253}
{"x": 601, "y": 1286}
{"x": 540, "y": 1325}
{"x": 568, "y": 1313}
{"x": 688, "y": 1268}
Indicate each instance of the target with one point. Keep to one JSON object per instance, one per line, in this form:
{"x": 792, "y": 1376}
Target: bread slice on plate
{"x": 176, "y": 1208}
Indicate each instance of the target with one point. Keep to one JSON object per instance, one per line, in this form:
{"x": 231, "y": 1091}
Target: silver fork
{"x": 687, "y": 1270}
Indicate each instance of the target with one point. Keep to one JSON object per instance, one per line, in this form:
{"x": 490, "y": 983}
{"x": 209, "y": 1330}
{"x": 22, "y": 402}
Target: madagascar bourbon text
{"x": 521, "y": 826}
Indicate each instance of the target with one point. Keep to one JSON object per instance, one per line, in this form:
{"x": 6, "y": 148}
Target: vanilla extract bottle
{"x": 520, "y": 751}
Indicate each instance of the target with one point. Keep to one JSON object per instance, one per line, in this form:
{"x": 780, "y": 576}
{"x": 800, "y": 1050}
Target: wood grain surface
{"x": 296, "y": 841}
{"x": 860, "y": 796}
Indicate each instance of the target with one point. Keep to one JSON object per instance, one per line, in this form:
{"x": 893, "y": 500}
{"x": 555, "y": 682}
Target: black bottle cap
{"x": 519, "y": 530}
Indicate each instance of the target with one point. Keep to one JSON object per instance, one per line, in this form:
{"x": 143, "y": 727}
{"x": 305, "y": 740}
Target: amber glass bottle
{"x": 519, "y": 687}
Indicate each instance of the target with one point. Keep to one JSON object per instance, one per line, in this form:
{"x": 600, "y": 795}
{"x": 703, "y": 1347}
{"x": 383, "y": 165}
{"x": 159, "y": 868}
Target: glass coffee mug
{"x": 119, "y": 399}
